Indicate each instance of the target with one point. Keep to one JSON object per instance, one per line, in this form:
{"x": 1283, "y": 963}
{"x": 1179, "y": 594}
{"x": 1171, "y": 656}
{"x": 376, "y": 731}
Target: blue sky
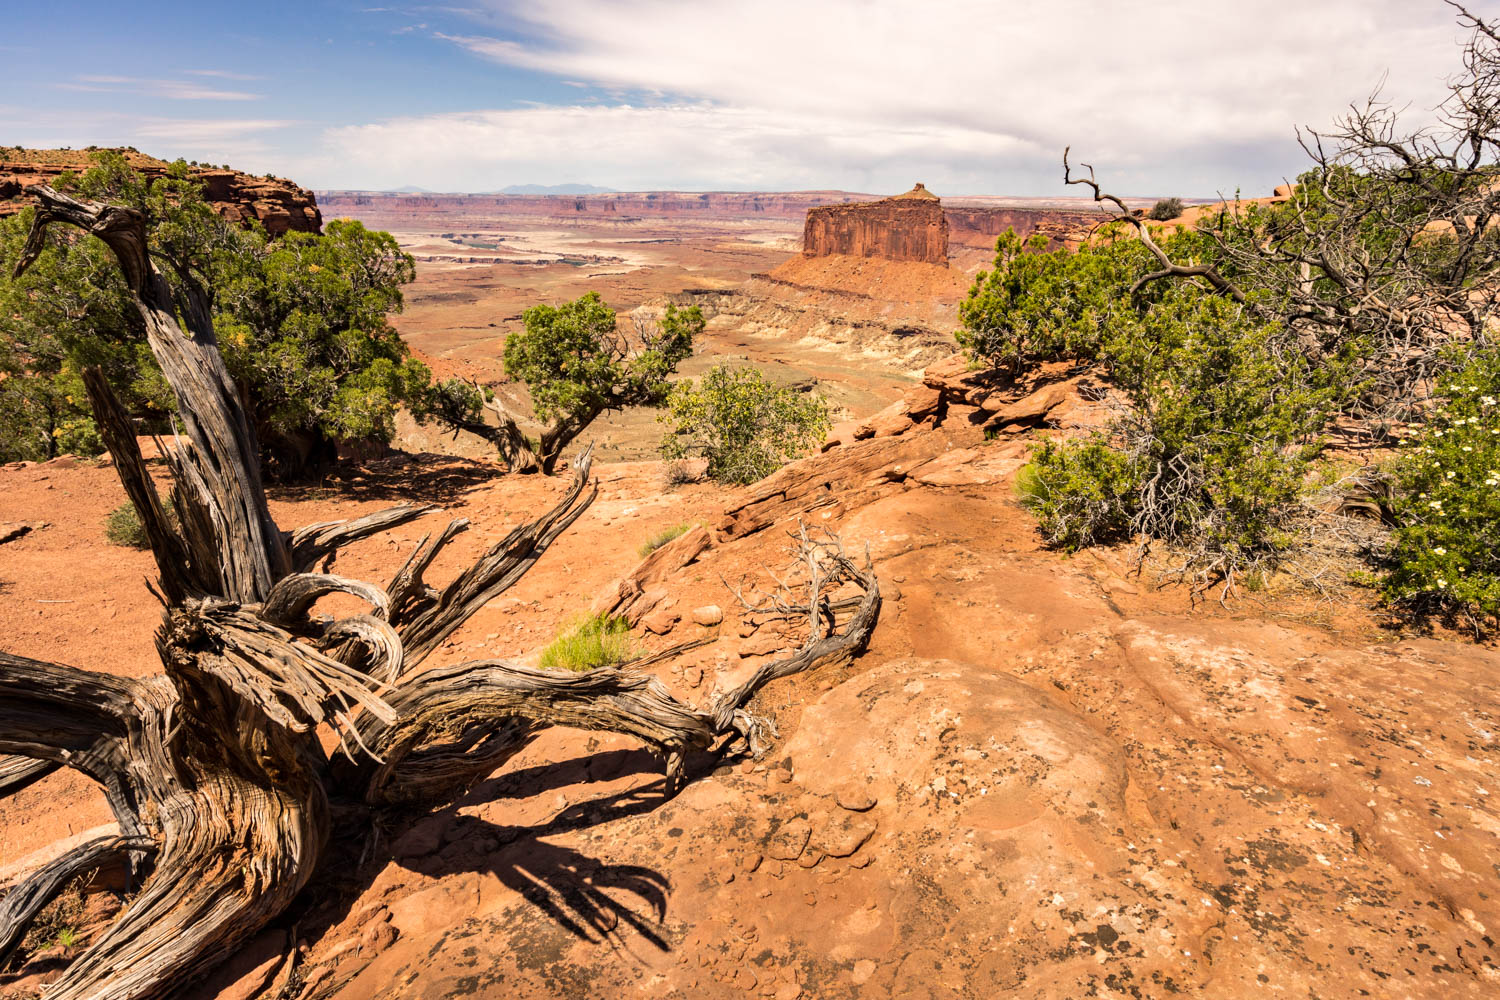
{"x": 970, "y": 96}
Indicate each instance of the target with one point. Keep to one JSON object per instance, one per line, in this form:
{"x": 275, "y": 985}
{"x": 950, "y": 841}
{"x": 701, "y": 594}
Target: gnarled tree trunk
{"x": 214, "y": 769}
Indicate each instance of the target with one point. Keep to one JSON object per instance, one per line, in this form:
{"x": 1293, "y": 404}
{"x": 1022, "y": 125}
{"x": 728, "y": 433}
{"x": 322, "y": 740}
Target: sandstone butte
{"x": 917, "y": 227}
{"x": 274, "y": 202}
{"x": 908, "y": 227}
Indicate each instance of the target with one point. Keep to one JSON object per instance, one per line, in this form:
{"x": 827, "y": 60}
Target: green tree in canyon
{"x": 577, "y": 364}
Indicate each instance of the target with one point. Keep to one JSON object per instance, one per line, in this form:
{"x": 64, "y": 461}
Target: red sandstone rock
{"x": 661, "y": 621}
{"x": 634, "y": 595}
{"x": 980, "y": 226}
{"x": 1027, "y": 409}
{"x": 276, "y": 203}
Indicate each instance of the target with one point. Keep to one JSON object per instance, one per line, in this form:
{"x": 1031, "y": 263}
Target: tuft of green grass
{"x": 592, "y": 642}
{"x": 67, "y": 937}
{"x": 123, "y": 527}
{"x": 662, "y": 537}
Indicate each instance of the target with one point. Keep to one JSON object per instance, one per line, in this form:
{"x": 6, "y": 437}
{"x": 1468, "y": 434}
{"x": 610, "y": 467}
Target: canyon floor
{"x": 1047, "y": 776}
{"x": 820, "y": 325}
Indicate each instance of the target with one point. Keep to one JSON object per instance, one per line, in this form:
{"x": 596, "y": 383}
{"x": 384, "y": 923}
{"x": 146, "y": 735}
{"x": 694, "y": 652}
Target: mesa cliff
{"x": 908, "y": 227}
{"x": 274, "y": 202}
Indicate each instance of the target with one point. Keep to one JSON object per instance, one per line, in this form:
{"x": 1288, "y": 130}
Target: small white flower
{"x": 1440, "y": 551}
{"x": 1442, "y": 583}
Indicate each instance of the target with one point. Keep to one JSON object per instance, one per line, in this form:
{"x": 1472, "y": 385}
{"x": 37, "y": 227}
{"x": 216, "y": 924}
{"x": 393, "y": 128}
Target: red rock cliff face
{"x": 902, "y": 228}
{"x": 980, "y": 226}
{"x": 277, "y": 204}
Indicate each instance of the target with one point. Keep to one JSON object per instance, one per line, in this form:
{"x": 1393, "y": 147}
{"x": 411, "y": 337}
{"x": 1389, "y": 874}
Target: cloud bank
{"x": 1164, "y": 96}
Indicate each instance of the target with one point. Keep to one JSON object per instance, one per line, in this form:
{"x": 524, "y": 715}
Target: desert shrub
{"x": 123, "y": 527}
{"x": 679, "y": 472}
{"x": 577, "y": 364}
{"x": 662, "y": 537}
{"x": 1226, "y": 416}
{"x": 1213, "y": 450}
{"x": 589, "y": 643}
{"x": 1037, "y": 305}
{"x": 1164, "y": 209}
{"x": 1081, "y": 492}
{"x": 745, "y": 426}
{"x": 1445, "y": 554}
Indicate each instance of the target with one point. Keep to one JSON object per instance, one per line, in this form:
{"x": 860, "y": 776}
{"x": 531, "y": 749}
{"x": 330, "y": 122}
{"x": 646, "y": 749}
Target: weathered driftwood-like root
{"x": 316, "y": 541}
{"x": 423, "y": 629}
{"x": 427, "y": 704}
{"x": 431, "y": 705}
{"x": 827, "y": 567}
{"x": 17, "y": 773}
{"x": 172, "y": 564}
{"x": 233, "y": 854}
{"x": 409, "y": 594}
{"x": 222, "y": 505}
{"x": 93, "y": 723}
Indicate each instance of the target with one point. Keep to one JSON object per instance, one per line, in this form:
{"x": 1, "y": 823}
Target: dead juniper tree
{"x": 215, "y": 769}
{"x": 1387, "y": 246}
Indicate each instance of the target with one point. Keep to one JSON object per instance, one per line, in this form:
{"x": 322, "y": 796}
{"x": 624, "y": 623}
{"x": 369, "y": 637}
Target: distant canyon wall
{"x": 980, "y": 226}
{"x": 276, "y": 203}
{"x": 485, "y": 209}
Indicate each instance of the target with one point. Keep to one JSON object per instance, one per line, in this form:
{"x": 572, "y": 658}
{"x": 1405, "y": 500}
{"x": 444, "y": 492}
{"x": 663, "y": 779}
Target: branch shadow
{"x": 589, "y": 898}
{"x": 422, "y": 478}
{"x": 566, "y": 885}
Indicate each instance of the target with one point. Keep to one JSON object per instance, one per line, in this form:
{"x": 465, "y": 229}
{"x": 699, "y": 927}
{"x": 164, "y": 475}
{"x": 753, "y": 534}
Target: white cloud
{"x": 676, "y": 145}
{"x": 176, "y": 90}
{"x": 1161, "y": 95}
{"x": 223, "y": 74}
{"x": 206, "y": 130}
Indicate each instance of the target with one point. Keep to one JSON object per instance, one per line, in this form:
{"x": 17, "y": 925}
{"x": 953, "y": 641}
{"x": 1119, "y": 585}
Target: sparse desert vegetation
{"x": 589, "y": 643}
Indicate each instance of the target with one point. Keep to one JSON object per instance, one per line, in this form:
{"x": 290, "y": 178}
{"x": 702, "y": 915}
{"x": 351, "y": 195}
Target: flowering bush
{"x": 1446, "y": 553}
